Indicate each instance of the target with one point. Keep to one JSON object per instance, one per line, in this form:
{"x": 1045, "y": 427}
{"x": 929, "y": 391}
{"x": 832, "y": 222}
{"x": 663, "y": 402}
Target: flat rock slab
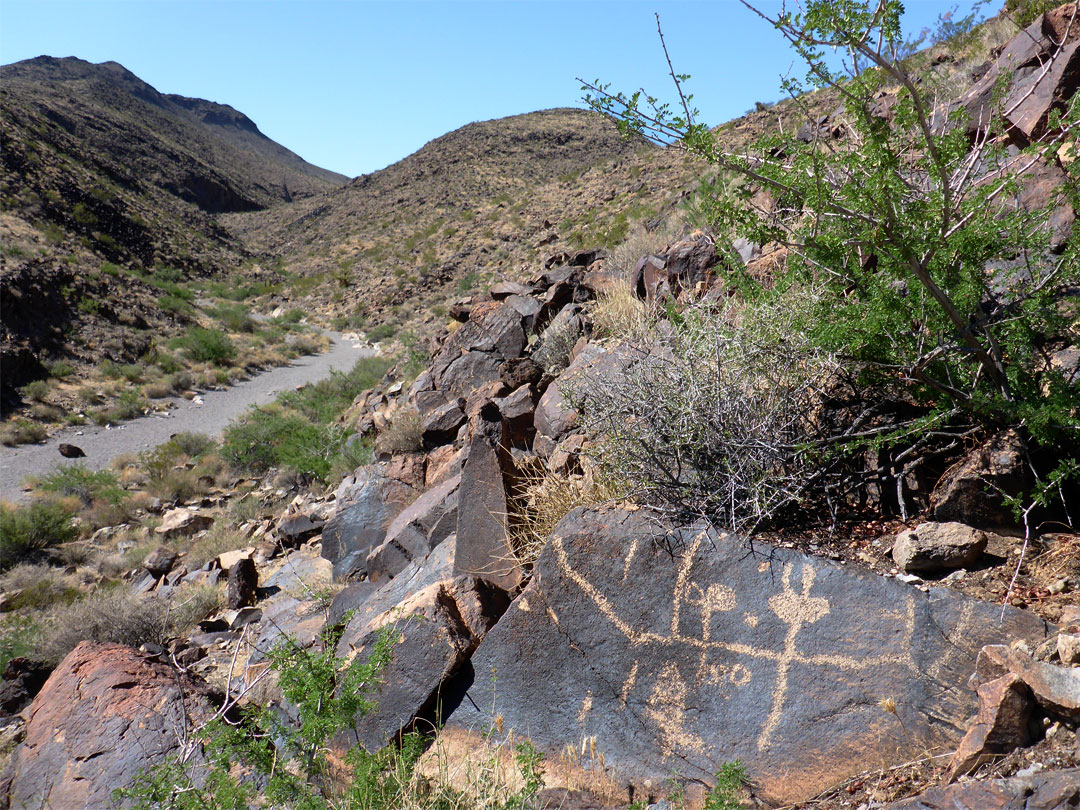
{"x": 656, "y": 664}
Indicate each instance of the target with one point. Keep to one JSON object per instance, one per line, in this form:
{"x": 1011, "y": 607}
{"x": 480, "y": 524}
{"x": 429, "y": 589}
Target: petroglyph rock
{"x": 655, "y": 663}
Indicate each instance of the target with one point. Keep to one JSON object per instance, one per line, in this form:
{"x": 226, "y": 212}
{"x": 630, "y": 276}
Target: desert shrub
{"x": 1025, "y": 12}
{"x": 37, "y": 390}
{"x": 542, "y": 498}
{"x": 22, "y": 431}
{"x": 323, "y": 401}
{"x": 270, "y": 437}
{"x": 552, "y": 353}
{"x": 176, "y": 305}
{"x": 713, "y": 419}
{"x": 61, "y": 370}
{"x": 384, "y": 331}
{"x": 78, "y": 481}
{"x": 36, "y": 587}
{"x": 88, "y": 395}
{"x": 46, "y": 413}
{"x": 132, "y": 372}
{"x": 27, "y": 528}
{"x": 208, "y": 345}
{"x": 168, "y": 363}
{"x": 19, "y": 638}
{"x": 157, "y": 390}
{"x": 640, "y": 242}
{"x": 403, "y": 434}
{"x": 235, "y": 318}
{"x": 121, "y": 617}
{"x": 354, "y": 453}
{"x": 898, "y": 225}
{"x": 128, "y": 405}
{"x": 180, "y": 381}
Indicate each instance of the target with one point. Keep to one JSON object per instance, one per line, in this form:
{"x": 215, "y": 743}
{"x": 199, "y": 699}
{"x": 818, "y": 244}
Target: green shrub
{"x": 167, "y": 363}
{"x": 37, "y": 390}
{"x": 726, "y": 793}
{"x": 132, "y": 372}
{"x": 22, "y": 431}
{"x": 175, "y": 305}
{"x": 268, "y": 437}
{"x": 234, "y": 318}
{"x": 383, "y": 331}
{"x": 324, "y": 401}
{"x": 19, "y": 638}
{"x": 61, "y": 370}
{"x": 129, "y": 405}
{"x": 32, "y": 527}
{"x": 209, "y": 346}
{"x": 85, "y": 484}
{"x": 1025, "y": 12}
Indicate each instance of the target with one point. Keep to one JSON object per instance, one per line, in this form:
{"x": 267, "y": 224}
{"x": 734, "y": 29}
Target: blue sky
{"x": 355, "y": 86}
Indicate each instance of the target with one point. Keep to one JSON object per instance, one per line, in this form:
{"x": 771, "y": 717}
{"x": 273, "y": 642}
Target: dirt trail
{"x": 216, "y": 410}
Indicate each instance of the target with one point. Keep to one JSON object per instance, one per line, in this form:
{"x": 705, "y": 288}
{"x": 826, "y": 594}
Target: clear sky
{"x": 354, "y": 86}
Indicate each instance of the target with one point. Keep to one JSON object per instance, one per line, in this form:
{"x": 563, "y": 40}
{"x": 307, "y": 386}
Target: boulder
{"x": 367, "y": 502}
{"x": 520, "y": 371}
{"x": 1004, "y": 722}
{"x": 677, "y": 649}
{"x": 970, "y": 491}
{"x": 517, "y": 409}
{"x": 435, "y": 638}
{"x": 303, "y": 520}
{"x": 160, "y": 561}
{"x": 22, "y": 680}
{"x": 932, "y": 547}
{"x": 416, "y": 530}
{"x": 182, "y": 522}
{"x": 1055, "y": 688}
{"x": 440, "y": 425}
{"x": 483, "y": 537}
{"x": 302, "y": 571}
{"x": 419, "y": 574}
{"x": 1040, "y": 78}
{"x": 1034, "y": 791}
{"x": 242, "y": 584}
{"x": 105, "y": 713}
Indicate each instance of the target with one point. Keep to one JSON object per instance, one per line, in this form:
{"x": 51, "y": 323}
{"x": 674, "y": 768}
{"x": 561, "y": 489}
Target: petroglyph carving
{"x": 726, "y": 664}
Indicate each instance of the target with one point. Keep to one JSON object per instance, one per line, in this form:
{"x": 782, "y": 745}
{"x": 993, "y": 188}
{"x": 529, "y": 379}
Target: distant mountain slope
{"x": 105, "y": 182}
{"x": 468, "y": 207}
{"x": 206, "y": 153}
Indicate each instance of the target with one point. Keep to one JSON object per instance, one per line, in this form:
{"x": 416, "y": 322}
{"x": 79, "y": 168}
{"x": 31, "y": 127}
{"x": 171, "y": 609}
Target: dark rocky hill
{"x": 104, "y": 180}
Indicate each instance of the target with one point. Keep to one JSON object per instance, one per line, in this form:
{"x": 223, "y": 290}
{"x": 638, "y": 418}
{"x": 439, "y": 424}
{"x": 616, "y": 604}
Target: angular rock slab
{"x": 105, "y": 713}
{"x": 679, "y": 663}
{"x": 1038, "y": 791}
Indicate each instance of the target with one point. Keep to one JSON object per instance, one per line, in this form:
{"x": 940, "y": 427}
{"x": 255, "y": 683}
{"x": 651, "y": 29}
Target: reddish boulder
{"x": 104, "y": 714}
{"x": 1004, "y": 722}
{"x": 1053, "y": 790}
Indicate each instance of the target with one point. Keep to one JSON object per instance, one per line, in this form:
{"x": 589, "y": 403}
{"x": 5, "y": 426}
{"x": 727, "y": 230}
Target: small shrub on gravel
{"x": 269, "y": 437}
{"x": 61, "y": 370}
{"x": 234, "y": 317}
{"x": 129, "y": 405}
{"x": 157, "y": 390}
{"x": 29, "y": 528}
{"x": 22, "y": 431}
{"x": 208, "y": 345}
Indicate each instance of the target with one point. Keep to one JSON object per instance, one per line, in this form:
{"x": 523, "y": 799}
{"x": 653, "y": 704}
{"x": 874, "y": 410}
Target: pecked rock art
{"x": 648, "y": 664}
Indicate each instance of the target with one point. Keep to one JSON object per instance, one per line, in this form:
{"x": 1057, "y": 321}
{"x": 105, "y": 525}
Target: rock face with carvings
{"x": 658, "y": 651}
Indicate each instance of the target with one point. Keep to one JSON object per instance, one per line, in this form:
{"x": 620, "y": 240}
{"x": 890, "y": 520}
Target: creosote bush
{"x": 711, "y": 415}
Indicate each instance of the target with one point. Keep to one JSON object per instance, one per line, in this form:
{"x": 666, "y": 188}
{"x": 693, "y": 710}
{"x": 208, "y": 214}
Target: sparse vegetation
{"x": 403, "y": 433}
{"x": 32, "y": 527}
{"x": 208, "y": 345}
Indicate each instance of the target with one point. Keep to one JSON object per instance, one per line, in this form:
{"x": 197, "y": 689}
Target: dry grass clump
{"x": 402, "y": 435}
{"x": 221, "y": 537}
{"x": 33, "y": 586}
{"x": 617, "y": 313}
{"x": 543, "y": 498}
{"x": 121, "y": 617}
{"x": 641, "y": 242}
